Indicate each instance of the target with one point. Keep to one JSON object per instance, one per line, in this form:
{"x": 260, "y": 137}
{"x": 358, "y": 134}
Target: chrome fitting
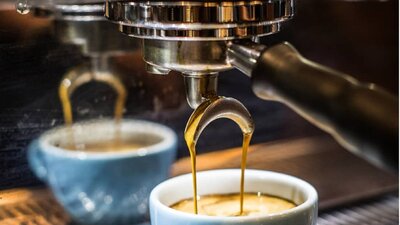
{"x": 200, "y": 88}
{"x": 153, "y": 69}
{"x": 199, "y": 20}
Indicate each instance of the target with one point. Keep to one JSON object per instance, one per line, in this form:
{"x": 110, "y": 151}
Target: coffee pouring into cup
{"x": 201, "y": 39}
{"x": 100, "y": 171}
{"x": 224, "y": 182}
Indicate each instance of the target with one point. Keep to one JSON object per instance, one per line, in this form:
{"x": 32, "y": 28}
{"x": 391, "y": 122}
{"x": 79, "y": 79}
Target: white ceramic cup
{"x": 227, "y": 181}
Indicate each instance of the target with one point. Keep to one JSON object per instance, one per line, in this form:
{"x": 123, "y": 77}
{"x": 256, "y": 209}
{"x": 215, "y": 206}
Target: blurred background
{"x": 357, "y": 37}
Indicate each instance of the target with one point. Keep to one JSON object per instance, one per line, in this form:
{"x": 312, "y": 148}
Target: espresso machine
{"x": 82, "y": 23}
{"x": 202, "y": 38}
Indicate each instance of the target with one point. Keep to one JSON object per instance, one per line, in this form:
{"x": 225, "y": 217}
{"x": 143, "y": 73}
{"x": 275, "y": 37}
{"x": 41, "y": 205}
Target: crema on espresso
{"x": 255, "y": 204}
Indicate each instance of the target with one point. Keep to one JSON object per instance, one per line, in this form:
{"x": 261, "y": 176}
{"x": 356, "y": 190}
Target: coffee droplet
{"x": 22, "y": 7}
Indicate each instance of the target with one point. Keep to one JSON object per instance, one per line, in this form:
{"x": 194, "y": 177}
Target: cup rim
{"x": 168, "y": 140}
{"x": 308, "y": 188}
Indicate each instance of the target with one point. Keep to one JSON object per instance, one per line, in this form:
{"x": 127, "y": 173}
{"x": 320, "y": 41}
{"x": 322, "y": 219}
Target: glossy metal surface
{"x": 243, "y": 56}
{"x": 82, "y": 23}
{"x": 205, "y": 20}
{"x": 191, "y": 36}
{"x": 69, "y": 10}
{"x": 222, "y": 107}
{"x": 200, "y": 88}
{"x": 198, "y": 61}
{"x": 189, "y": 57}
{"x": 95, "y": 37}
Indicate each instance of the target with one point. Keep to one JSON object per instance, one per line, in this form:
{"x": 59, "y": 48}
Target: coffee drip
{"x": 210, "y": 110}
{"x": 80, "y": 76}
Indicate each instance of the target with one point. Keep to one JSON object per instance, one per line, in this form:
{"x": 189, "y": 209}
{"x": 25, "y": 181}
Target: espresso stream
{"x": 71, "y": 82}
{"x": 191, "y": 128}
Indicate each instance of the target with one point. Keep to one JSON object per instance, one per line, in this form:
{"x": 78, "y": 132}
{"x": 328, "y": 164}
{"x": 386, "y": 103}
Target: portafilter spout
{"x": 199, "y": 88}
{"x": 215, "y": 108}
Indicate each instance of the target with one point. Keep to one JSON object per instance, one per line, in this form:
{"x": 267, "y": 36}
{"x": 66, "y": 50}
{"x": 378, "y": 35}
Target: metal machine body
{"x": 199, "y": 20}
{"x": 202, "y": 38}
{"x": 192, "y": 36}
{"x": 82, "y": 23}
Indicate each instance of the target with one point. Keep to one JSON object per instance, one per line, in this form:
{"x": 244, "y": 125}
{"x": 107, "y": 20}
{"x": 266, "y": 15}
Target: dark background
{"x": 356, "y": 37}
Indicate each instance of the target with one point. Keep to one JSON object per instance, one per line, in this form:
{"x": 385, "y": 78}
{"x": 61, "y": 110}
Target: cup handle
{"x": 36, "y": 160}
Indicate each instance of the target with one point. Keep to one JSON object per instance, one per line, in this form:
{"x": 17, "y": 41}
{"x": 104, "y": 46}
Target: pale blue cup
{"x": 104, "y": 187}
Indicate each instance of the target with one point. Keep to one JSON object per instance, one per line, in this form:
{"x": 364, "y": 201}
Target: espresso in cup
{"x": 222, "y": 183}
{"x": 98, "y": 182}
{"x": 111, "y": 145}
{"x": 105, "y": 147}
{"x": 255, "y": 204}
{"x": 78, "y": 77}
{"x": 205, "y": 113}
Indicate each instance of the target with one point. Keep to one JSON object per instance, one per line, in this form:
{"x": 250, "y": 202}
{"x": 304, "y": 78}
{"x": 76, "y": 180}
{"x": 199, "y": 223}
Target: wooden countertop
{"x": 339, "y": 177}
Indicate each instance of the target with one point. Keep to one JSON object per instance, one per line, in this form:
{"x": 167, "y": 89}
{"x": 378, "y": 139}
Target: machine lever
{"x": 362, "y": 117}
